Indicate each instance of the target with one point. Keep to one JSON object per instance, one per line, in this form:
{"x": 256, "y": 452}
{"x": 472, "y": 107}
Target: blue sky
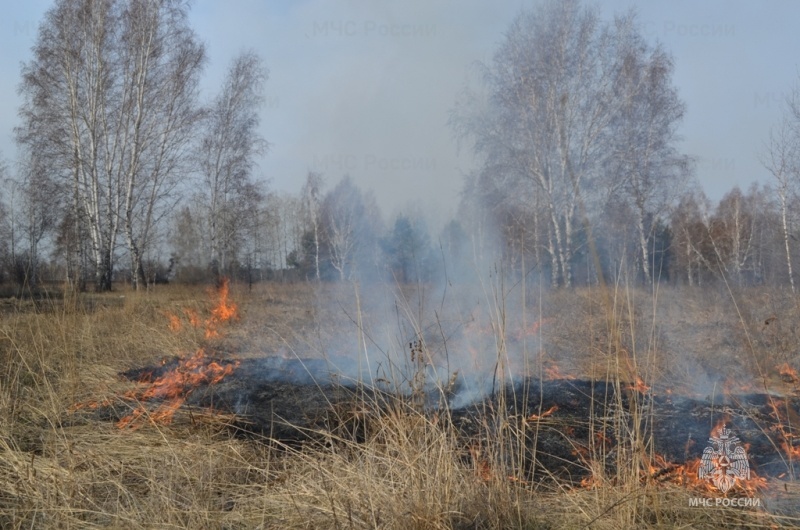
{"x": 364, "y": 87}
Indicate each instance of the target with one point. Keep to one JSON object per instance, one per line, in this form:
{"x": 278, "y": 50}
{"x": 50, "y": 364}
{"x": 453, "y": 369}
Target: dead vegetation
{"x": 407, "y": 467}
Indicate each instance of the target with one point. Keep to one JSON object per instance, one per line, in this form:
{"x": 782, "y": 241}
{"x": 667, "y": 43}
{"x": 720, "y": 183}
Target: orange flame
{"x": 91, "y": 405}
{"x": 189, "y": 374}
{"x": 788, "y": 373}
{"x": 223, "y": 312}
{"x": 661, "y": 471}
{"x": 639, "y": 386}
{"x": 785, "y": 427}
{"x": 602, "y": 439}
{"x": 687, "y": 474}
{"x": 552, "y": 372}
{"x": 533, "y": 328}
{"x": 174, "y": 322}
{"x": 483, "y": 470}
{"x": 173, "y": 387}
{"x": 194, "y": 318}
{"x": 548, "y": 412}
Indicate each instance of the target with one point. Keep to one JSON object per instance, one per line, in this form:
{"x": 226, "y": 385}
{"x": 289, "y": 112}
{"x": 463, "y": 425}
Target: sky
{"x": 364, "y": 87}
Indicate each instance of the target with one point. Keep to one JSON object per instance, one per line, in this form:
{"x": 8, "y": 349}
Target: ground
{"x": 387, "y": 464}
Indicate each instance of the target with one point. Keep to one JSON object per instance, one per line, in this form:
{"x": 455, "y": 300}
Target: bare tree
{"x": 559, "y": 87}
{"x": 229, "y": 145}
{"x": 312, "y": 198}
{"x": 69, "y": 117}
{"x": 341, "y": 210}
{"x": 691, "y": 236}
{"x": 762, "y": 208}
{"x": 646, "y": 169}
{"x": 732, "y": 232}
{"x": 6, "y": 222}
{"x": 35, "y": 211}
{"x": 161, "y": 65}
{"x": 782, "y": 159}
{"x": 349, "y": 226}
{"x": 246, "y": 237}
{"x": 187, "y": 240}
{"x": 283, "y": 218}
{"x": 108, "y": 104}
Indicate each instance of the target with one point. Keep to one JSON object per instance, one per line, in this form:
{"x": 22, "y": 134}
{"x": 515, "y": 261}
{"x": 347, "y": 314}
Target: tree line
{"x": 575, "y": 127}
{"x": 125, "y": 174}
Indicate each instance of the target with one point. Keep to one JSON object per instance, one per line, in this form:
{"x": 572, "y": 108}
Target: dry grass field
{"x": 61, "y": 467}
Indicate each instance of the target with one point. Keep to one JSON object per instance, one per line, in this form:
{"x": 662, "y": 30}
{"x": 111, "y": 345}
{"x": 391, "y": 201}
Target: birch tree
{"x": 557, "y": 88}
{"x": 229, "y": 146}
{"x": 285, "y": 227}
{"x": 646, "y": 170}
{"x": 68, "y": 114}
{"x": 351, "y": 224}
{"x": 549, "y": 94}
{"x": 732, "y": 233}
{"x": 312, "y": 198}
{"x": 161, "y": 65}
{"x": 782, "y": 159}
{"x": 691, "y": 236}
{"x": 108, "y": 106}
{"x": 35, "y": 211}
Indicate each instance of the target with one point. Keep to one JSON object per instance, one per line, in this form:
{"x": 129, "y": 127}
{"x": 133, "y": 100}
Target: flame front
{"x": 174, "y": 322}
{"x": 548, "y": 412}
{"x": 172, "y": 387}
{"x": 659, "y": 470}
{"x": 787, "y": 422}
{"x": 190, "y": 373}
{"x": 224, "y": 311}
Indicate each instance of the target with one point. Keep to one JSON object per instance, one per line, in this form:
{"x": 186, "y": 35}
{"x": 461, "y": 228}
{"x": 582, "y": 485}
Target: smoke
{"x": 478, "y": 319}
{"x": 457, "y": 331}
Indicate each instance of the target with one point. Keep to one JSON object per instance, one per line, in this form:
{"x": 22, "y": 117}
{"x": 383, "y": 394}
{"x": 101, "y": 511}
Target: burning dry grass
{"x": 407, "y": 469}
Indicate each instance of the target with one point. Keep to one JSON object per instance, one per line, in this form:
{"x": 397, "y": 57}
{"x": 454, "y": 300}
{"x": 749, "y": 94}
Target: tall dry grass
{"x": 408, "y": 468}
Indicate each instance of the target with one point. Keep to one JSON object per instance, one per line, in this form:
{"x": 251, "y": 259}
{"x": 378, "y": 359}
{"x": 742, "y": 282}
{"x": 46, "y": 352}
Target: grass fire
{"x": 278, "y": 422}
{"x": 399, "y": 265}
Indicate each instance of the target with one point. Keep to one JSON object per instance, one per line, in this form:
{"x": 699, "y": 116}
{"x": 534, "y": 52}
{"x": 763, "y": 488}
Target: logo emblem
{"x": 724, "y": 461}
